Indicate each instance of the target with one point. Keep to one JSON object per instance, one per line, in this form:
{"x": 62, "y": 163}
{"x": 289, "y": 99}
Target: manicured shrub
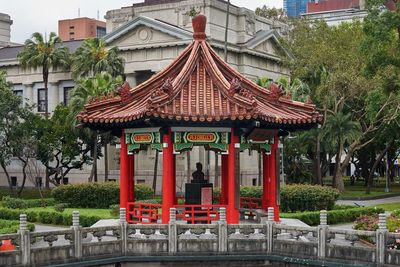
{"x": 13, "y": 203}
{"x": 114, "y": 209}
{"x": 334, "y": 216}
{"x": 47, "y": 217}
{"x": 12, "y": 226}
{"x": 302, "y": 197}
{"x": 296, "y": 197}
{"x": 95, "y": 195}
{"x": 17, "y": 203}
{"x": 60, "y": 207}
{"x": 143, "y": 192}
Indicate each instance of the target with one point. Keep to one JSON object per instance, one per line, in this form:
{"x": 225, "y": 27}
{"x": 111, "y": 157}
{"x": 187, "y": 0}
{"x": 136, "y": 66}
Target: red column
{"x": 131, "y": 195}
{"x": 174, "y": 166}
{"x": 265, "y": 180}
{"x": 232, "y": 211}
{"x": 224, "y": 180}
{"x": 273, "y": 179}
{"x": 124, "y": 174}
{"x": 167, "y": 177}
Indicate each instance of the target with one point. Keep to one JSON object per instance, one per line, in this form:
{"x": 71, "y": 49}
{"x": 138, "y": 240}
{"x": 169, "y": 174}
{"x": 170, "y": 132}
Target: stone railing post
{"x": 322, "y": 231}
{"x": 25, "y": 243}
{"x": 222, "y": 231}
{"x": 172, "y": 232}
{"x": 270, "y": 229}
{"x": 77, "y": 233}
{"x": 381, "y": 239}
{"x": 123, "y": 224}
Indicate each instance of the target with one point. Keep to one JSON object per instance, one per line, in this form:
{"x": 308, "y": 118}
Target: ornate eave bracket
{"x": 275, "y": 92}
{"x": 241, "y": 94}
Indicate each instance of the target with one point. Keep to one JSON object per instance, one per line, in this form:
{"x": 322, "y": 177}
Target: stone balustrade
{"x": 307, "y": 245}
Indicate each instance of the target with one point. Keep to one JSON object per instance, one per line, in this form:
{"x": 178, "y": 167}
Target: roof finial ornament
{"x": 275, "y": 92}
{"x": 199, "y": 27}
{"x": 123, "y": 92}
{"x": 235, "y": 87}
{"x": 167, "y": 86}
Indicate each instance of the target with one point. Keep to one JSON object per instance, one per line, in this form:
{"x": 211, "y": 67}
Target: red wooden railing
{"x": 250, "y": 203}
{"x": 144, "y": 213}
{"x": 198, "y": 213}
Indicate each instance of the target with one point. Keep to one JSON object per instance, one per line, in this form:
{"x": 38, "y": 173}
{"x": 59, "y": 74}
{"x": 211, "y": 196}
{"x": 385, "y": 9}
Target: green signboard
{"x": 212, "y": 140}
{"x": 140, "y": 141}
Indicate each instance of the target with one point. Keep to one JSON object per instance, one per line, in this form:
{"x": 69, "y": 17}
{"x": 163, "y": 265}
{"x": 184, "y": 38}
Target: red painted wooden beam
{"x": 168, "y": 192}
{"x": 124, "y": 174}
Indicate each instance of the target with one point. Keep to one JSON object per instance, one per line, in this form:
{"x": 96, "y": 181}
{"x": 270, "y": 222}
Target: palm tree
{"x": 340, "y": 130}
{"x": 38, "y": 52}
{"x": 86, "y": 89}
{"x": 93, "y": 57}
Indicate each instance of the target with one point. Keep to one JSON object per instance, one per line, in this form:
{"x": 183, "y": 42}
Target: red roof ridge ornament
{"x": 275, "y": 92}
{"x": 235, "y": 87}
{"x": 199, "y": 27}
{"x": 124, "y": 93}
{"x": 167, "y": 86}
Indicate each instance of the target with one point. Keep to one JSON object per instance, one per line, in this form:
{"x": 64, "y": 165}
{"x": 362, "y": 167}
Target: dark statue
{"x": 198, "y": 175}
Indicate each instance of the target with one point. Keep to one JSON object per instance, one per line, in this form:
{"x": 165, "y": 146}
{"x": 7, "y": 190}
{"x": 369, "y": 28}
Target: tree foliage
{"x": 93, "y": 57}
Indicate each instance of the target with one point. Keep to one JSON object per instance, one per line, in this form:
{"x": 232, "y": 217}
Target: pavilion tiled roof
{"x": 199, "y": 86}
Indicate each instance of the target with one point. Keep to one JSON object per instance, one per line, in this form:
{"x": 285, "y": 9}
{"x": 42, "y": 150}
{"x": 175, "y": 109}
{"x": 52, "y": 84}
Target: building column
{"x": 124, "y": 174}
{"x": 167, "y": 176}
{"x": 273, "y": 178}
{"x": 131, "y": 186}
{"x": 52, "y": 96}
{"x": 265, "y": 180}
{"x": 224, "y": 180}
{"x": 233, "y": 186}
{"x": 29, "y": 93}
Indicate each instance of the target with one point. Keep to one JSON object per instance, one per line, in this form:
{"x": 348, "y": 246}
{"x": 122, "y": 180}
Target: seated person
{"x": 198, "y": 175}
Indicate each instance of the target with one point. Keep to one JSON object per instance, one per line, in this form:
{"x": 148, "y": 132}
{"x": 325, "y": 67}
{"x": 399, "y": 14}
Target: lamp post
{"x": 387, "y": 172}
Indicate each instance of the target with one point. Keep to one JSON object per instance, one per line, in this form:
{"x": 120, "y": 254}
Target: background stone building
{"x": 150, "y": 35}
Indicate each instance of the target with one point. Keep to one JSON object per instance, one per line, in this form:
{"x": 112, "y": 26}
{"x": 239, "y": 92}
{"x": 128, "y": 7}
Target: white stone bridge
{"x": 218, "y": 244}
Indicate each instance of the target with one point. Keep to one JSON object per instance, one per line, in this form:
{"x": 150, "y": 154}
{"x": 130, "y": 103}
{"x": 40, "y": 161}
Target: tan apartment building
{"x": 80, "y": 28}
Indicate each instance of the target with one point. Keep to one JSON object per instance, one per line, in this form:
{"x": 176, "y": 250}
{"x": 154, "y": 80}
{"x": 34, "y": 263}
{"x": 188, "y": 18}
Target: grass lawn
{"x": 102, "y": 213}
{"x": 389, "y": 206}
{"x": 379, "y": 190}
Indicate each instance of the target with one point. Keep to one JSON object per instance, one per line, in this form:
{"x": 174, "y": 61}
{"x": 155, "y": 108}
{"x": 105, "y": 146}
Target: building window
{"x": 19, "y": 93}
{"x": 140, "y": 181}
{"x": 39, "y": 181}
{"x": 14, "y": 181}
{"x": 100, "y": 31}
{"x": 42, "y": 100}
{"x": 67, "y": 95}
{"x": 71, "y": 27}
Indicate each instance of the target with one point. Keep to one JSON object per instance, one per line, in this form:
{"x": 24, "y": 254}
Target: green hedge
{"x": 18, "y": 203}
{"x": 47, "y": 217}
{"x": 297, "y": 197}
{"x": 95, "y": 195}
{"x": 302, "y": 197}
{"x": 334, "y": 216}
{"x": 12, "y": 226}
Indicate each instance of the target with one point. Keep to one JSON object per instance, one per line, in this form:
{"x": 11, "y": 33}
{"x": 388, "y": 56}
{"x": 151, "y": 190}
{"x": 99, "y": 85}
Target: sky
{"x": 31, "y": 16}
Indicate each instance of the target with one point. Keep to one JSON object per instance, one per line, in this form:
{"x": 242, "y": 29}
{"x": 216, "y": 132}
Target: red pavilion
{"x": 198, "y": 100}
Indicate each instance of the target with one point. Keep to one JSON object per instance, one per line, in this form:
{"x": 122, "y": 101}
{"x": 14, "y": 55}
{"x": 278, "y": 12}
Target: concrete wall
{"x": 5, "y": 29}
